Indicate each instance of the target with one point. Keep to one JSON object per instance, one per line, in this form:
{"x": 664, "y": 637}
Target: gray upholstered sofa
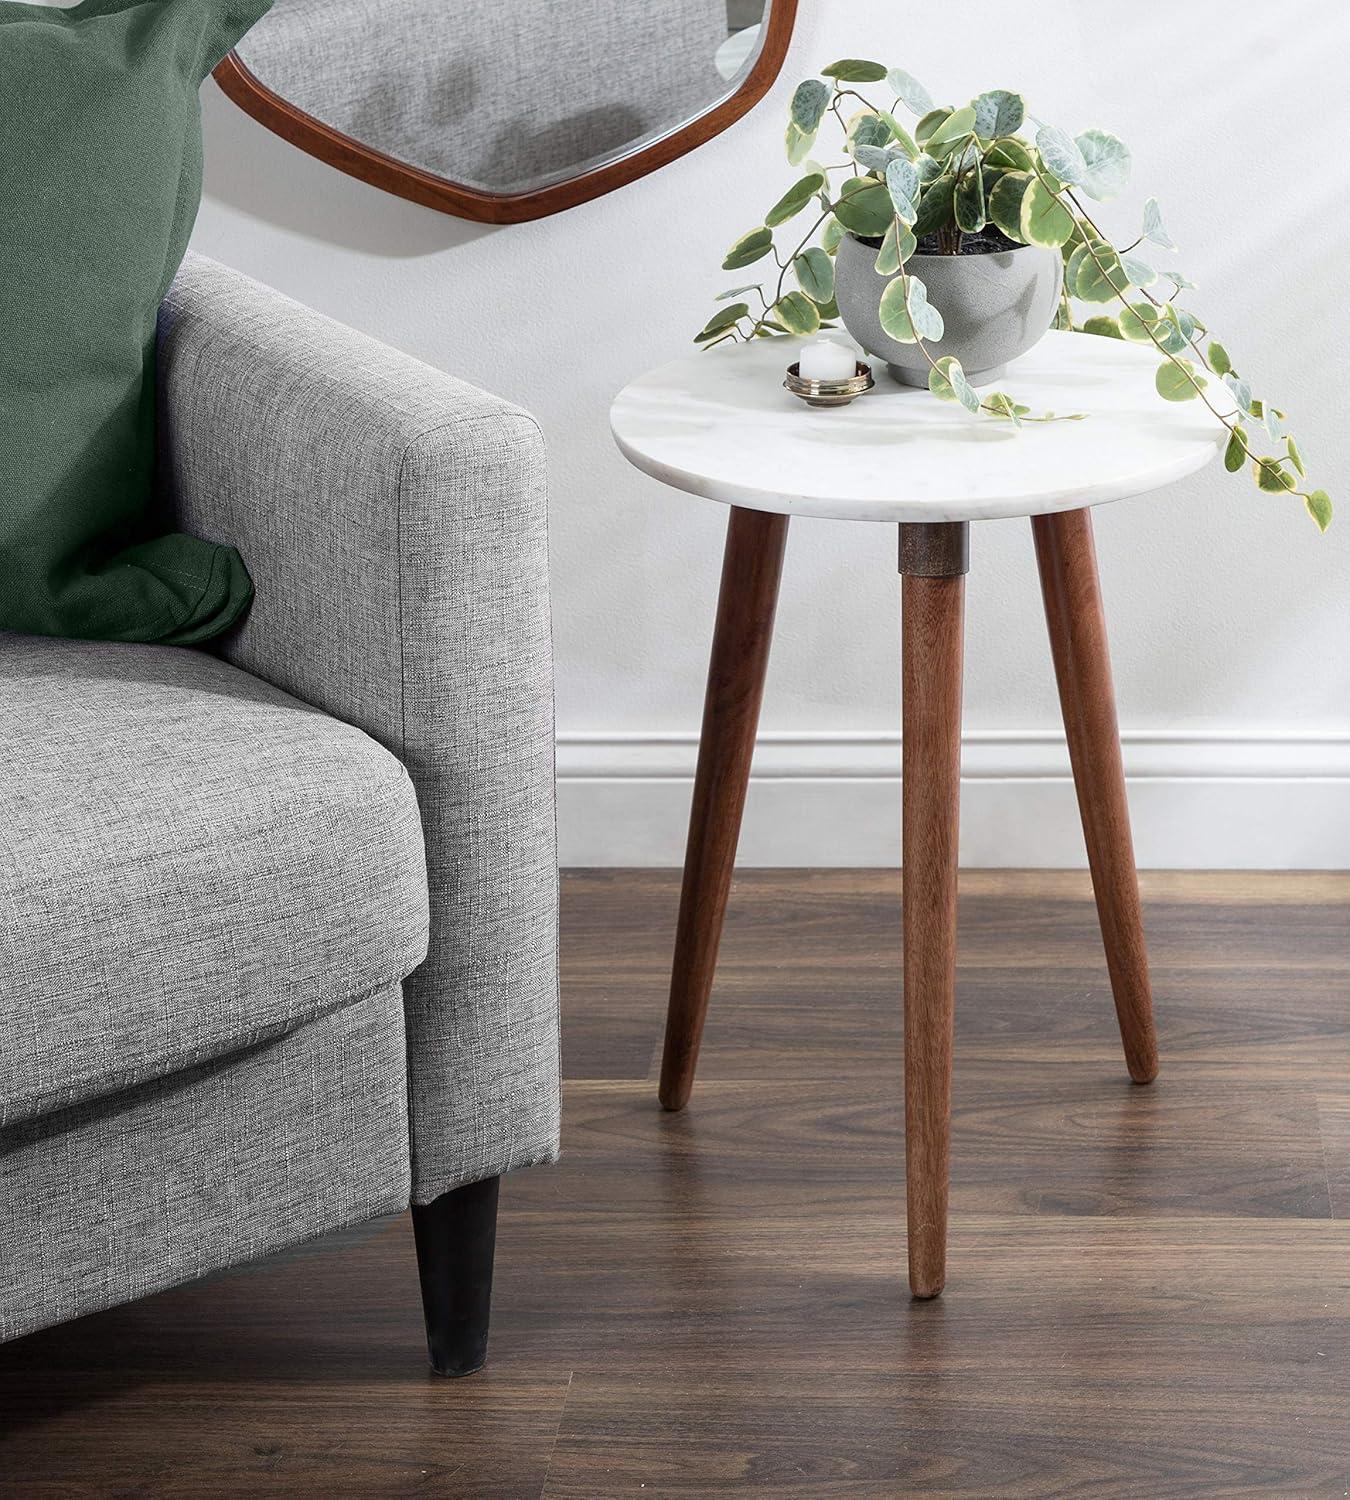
{"x": 278, "y": 943}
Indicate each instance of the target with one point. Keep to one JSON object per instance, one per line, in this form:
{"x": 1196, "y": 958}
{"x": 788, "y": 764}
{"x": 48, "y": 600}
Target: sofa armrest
{"x": 394, "y": 522}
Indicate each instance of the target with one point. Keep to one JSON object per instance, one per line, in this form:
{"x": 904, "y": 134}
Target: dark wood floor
{"x": 1149, "y": 1289}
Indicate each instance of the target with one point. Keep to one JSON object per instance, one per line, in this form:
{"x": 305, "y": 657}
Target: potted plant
{"x": 951, "y": 245}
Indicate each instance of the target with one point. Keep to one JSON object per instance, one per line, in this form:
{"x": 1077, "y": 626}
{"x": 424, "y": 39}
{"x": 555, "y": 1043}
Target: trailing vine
{"x": 954, "y": 173}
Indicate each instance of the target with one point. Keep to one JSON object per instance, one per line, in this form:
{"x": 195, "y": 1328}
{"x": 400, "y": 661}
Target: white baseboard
{"x": 1211, "y": 799}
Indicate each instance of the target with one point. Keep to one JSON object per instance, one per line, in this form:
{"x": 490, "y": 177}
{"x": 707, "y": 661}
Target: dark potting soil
{"x": 987, "y": 241}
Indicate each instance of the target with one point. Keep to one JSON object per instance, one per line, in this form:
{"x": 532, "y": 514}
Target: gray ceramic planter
{"x": 994, "y": 306}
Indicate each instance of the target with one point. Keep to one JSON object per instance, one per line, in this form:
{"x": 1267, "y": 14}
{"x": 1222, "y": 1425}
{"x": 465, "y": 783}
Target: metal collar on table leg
{"x": 934, "y": 549}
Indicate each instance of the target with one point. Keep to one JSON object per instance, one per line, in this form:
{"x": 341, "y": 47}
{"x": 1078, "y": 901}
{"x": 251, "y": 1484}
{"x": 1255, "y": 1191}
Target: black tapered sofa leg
{"x": 456, "y": 1236}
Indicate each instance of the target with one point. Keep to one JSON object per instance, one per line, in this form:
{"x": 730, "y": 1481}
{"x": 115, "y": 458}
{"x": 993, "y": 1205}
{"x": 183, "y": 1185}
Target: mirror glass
{"x": 506, "y": 96}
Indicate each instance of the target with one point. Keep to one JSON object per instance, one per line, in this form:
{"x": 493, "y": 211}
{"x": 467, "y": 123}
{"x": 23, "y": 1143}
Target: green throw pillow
{"x": 100, "y": 176}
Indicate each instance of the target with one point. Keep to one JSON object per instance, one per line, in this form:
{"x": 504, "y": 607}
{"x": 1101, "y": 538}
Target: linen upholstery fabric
{"x": 501, "y": 97}
{"x": 126, "y": 1195}
{"x": 395, "y": 522}
{"x": 190, "y": 861}
{"x": 100, "y": 175}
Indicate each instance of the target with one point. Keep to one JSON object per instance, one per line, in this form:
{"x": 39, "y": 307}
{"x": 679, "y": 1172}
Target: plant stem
{"x": 782, "y": 274}
{"x": 841, "y": 93}
{"x": 1124, "y": 301}
{"x": 1231, "y": 424}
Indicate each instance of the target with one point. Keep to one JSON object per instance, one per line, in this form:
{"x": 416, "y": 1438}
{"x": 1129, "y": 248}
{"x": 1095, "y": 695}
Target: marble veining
{"x": 718, "y": 423}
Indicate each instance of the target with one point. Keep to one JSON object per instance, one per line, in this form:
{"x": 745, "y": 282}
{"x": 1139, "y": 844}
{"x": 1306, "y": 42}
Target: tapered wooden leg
{"x": 933, "y": 608}
{"x": 1073, "y": 611}
{"x": 456, "y": 1238}
{"x": 751, "y": 567}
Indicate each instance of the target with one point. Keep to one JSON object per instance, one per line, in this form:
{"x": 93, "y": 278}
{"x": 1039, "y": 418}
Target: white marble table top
{"x": 718, "y": 423}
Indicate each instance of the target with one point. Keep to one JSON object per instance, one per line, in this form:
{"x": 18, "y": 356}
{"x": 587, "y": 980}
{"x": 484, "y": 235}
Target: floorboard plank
{"x": 1149, "y": 1290}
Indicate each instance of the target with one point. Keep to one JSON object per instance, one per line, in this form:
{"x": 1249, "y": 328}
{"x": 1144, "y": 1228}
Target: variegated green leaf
{"x": 1095, "y": 274}
{"x": 902, "y": 138}
{"x": 1106, "y": 160}
{"x": 795, "y": 199}
{"x": 724, "y": 317}
{"x": 876, "y": 158}
{"x": 1138, "y": 321}
{"x": 906, "y": 313}
{"x": 902, "y": 183}
{"x": 947, "y": 381}
{"x": 752, "y": 246}
{"x": 1005, "y": 202}
{"x": 855, "y": 70}
{"x": 809, "y": 104}
{"x": 1010, "y": 152}
{"x": 1140, "y": 273}
{"x": 1001, "y": 404}
{"x": 954, "y": 128}
{"x": 968, "y": 201}
{"x": 998, "y": 112}
{"x": 814, "y": 271}
{"x": 910, "y": 92}
{"x": 935, "y": 207}
{"x": 896, "y": 248}
{"x": 1153, "y": 226}
{"x": 1272, "y": 476}
{"x": 864, "y": 206}
{"x": 797, "y": 313}
{"x": 1045, "y": 220}
{"x": 1061, "y": 154}
{"x": 1241, "y": 392}
{"x": 1179, "y": 380}
{"x": 798, "y": 143}
{"x": 924, "y": 130}
{"x": 867, "y": 128}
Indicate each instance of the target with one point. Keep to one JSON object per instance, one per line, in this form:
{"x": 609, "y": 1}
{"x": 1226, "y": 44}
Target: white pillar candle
{"x": 826, "y": 360}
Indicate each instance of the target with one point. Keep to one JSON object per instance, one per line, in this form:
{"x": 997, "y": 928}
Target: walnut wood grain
{"x": 752, "y": 565}
{"x": 387, "y": 172}
{"x": 932, "y": 623}
{"x": 1067, "y": 561}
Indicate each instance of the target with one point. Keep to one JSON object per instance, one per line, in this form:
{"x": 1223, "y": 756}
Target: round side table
{"x": 719, "y": 424}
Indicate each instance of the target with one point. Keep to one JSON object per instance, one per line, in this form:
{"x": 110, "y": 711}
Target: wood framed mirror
{"x": 505, "y": 110}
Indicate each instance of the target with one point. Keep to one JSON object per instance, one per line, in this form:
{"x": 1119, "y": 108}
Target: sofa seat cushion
{"x": 191, "y": 862}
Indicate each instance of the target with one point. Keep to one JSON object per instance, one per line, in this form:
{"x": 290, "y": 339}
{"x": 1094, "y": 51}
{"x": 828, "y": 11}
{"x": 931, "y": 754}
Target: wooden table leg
{"x": 933, "y": 560}
{"x": 751, "y": 567}
{"x": 1073, "y": 611}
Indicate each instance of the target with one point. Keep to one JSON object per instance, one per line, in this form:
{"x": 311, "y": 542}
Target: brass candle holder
{"x": 830, "y": 392}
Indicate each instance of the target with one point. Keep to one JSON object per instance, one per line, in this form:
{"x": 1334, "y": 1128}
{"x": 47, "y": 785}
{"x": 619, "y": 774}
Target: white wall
{"x": 1230, "y": 617}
